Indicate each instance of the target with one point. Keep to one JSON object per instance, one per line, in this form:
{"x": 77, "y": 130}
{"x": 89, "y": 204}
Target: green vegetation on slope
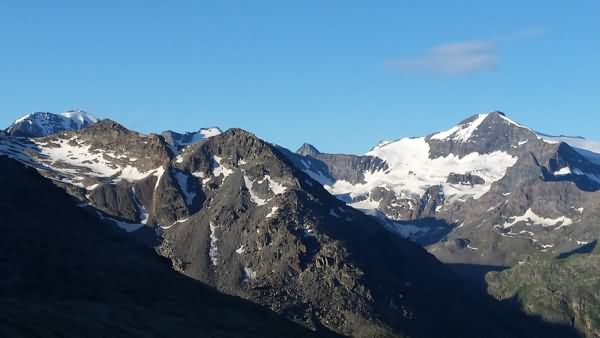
{"x": 563, "y": 290}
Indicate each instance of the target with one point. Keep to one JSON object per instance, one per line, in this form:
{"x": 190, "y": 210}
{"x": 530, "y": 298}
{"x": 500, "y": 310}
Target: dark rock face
{"x": 494, "y": 133}
{"x": 308, "y": 150}
{"x": 148, "y": 151}
{"x": 430, "y": 201}
{"x": 327, "y": 168}
{"x": 74, "y": 276}
{"x": 180, "y": 140}
{"x": 468, "y": 179}
{"x": 115, "y": 200}
{"x": 351, "y": 168}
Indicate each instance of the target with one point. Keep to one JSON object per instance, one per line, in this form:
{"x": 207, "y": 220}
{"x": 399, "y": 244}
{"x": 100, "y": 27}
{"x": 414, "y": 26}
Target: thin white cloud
{"x": 456, "y": 58}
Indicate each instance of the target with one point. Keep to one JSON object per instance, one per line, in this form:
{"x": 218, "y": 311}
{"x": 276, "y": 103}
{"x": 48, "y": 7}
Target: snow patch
{"x": 174, "y": 223}
{"x": 253, "y": 197}
{"x": 94, "y": 162}
{"x": 531, "y": 218}
{"x": 183, "y": 182}
{"x": 158, "y": 174}
{"x": 143, "y": 214}
{"x": 272, "y": 212}
{"x": 213, "y": 252}
{"x": 276, "y": 187}
{"x": 249, "y": 274}
{"x": 210, "y": 132}
{"x": 472, "y": 247}
{"x": 219, "y": 168}
{"x": 563, "y": 171}
{"x": 199, "y": 174}
{"x": 240, "y": 250}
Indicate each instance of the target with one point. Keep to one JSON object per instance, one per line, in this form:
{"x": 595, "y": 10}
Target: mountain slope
{"x": 234, "y": 212}
{"x": 471, "y": 193}
{"x": 561, "y": 290}
{"x": 64, "y": 273}
{"x": 269, "y": 233}
{"x": 42, "y": 124}
{"x": 588, "y": 148}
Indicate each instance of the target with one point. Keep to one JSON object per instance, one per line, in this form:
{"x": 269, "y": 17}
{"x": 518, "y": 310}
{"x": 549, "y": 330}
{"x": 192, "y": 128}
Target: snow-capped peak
{"x": 463, "y": 131}
{"x": 475, "y": 125}
{"x": 42, "y": 124}
{"x": 209, "y": 132}
{"x": 80, "y": 117}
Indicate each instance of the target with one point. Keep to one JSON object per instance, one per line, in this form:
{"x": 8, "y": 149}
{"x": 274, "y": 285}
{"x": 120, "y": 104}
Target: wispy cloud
{"x": 456, "y": 58}
{"x": 463, "y": 57}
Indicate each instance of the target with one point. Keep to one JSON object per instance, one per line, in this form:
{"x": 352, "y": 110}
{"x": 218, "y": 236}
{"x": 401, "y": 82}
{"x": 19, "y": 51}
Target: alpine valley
{"x": 487, "y": 229}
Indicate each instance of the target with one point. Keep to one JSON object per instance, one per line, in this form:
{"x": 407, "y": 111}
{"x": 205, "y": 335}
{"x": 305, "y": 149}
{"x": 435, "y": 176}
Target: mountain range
{"x": 374, "y": 245}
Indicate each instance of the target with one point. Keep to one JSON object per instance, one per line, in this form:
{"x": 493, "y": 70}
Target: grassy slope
{"x": 560, "y": 290}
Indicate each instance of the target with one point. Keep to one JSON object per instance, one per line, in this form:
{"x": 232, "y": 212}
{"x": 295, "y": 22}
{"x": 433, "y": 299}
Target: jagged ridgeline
{"x": 488, "y": 191}
{"x": 254, "y": 220}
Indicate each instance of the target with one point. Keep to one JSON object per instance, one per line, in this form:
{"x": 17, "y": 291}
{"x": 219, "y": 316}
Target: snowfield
{"x": 411, "y": 171}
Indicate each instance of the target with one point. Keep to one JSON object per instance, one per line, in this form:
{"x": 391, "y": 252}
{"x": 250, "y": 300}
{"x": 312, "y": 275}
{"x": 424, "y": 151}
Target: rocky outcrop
{"x": 468, "y": 179}
{"x": 181, "y": 140}
{"x": 327, "y": 168}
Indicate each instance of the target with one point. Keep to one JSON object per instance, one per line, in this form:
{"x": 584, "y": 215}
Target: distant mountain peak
{"x": 40, "y": 124}
{"x": 80, "y": 116}
{"x": 181, "y": 140}
{"x": 478, "y": 124}
{"x": 308, "y": 149}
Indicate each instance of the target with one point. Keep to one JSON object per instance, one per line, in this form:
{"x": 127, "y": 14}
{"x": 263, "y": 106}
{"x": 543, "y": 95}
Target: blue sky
{"x": 339, "y": 74}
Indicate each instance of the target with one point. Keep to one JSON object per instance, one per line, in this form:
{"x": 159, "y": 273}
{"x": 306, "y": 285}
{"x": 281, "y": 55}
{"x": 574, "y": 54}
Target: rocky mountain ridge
{"x": 65, "y": 273}
{"x": 237, "y": 213}
{"x": 469, "y": 193}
